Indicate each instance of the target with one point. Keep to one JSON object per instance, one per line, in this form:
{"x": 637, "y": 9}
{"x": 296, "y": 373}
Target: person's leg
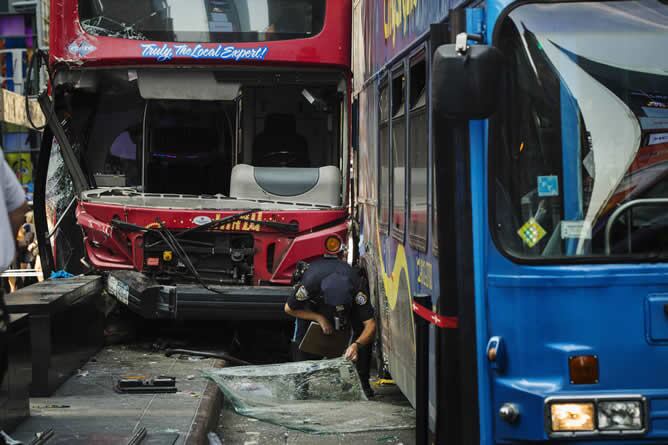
{"x": 363, "y": 363}
{"x": 12, "y": 284}
{"x": 13, "y": 281}
{"x": 300, "y": 331}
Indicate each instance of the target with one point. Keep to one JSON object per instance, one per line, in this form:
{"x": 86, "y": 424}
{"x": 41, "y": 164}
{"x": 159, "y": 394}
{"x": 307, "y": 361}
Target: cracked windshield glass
{"x": 580, "y": 147}
{"x": 203, "y": 20}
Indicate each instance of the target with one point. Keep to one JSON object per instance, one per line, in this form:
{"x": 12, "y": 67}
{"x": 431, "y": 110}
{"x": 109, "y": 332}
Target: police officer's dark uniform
{"x": 338, "y": 291}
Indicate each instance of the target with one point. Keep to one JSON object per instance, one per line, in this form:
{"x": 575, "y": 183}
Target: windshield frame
{"x": 313, "y": 78}
{"x": 623, "y": 258}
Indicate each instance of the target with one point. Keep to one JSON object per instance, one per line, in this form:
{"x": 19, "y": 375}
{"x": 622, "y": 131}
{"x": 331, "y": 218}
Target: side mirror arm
{"x": 462, "y": 41}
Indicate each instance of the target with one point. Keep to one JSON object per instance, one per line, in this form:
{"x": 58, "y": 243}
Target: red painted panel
{"x": 69, "y": 42}
{"x": 112, "y": 249}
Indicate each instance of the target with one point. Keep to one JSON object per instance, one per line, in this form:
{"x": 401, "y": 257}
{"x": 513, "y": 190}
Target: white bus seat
{"x": 308, "y": 185}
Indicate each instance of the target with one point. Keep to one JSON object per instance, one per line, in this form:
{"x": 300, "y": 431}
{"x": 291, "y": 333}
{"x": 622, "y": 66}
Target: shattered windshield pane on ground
{"x": 321, "y": 397}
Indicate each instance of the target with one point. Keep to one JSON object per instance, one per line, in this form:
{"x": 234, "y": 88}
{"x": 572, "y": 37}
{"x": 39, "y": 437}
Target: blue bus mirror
{"x": 466, "y": 80}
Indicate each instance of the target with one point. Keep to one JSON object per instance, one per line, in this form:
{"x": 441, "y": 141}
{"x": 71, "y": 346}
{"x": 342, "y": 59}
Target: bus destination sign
{"x": 168, "y": 51}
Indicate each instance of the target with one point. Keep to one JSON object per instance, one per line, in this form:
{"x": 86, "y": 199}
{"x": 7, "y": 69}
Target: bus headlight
{"x": 620, "y": 415}
{"x": 596, "y": 415}
{"x": 568, "y": 417}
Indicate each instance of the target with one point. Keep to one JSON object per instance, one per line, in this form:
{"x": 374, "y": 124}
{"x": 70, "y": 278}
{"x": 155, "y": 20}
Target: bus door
{"x": 457, "y": 97}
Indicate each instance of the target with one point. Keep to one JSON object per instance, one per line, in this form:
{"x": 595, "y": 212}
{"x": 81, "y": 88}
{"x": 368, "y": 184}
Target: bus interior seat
{"x": 279, "y": 144}
{"x": 306, "y": 185}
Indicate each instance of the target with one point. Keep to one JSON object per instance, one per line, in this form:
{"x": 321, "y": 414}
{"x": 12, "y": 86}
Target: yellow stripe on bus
{"x": 391, "y": 282}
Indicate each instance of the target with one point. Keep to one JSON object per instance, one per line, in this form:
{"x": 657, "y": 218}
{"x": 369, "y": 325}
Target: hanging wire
{"x": 38, "y": 60}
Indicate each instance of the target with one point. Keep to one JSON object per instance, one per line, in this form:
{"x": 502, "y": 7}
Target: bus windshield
{"x": 579, "y": 156}
{"x": 203, "y": 20}
{"x": 200, "y": 133}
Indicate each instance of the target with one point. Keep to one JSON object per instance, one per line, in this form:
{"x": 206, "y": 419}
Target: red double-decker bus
{"x": 196, "y": 150}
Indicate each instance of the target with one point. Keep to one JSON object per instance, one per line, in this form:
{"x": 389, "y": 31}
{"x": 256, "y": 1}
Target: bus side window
{"x": 399, "y": 153}
{"x": 418, "y": 149}
{"x": 384, "y": 159}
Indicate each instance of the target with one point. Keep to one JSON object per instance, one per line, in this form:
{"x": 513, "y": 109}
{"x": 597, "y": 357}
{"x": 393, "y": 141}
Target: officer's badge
{"x": 302, "y": 294}
{"x": 361, "y": 298}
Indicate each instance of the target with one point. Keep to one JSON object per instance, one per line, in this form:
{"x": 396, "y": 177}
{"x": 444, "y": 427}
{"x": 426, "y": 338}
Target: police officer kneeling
{"x": 334, "y": 295}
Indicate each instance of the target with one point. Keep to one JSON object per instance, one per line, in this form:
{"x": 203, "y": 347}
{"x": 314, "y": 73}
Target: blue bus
{"x": 512, "y": 199}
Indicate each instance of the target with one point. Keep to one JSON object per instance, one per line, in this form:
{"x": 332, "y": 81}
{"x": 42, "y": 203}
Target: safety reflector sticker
{"x": 531, "y": 232}
{"x": 548, "y": 186}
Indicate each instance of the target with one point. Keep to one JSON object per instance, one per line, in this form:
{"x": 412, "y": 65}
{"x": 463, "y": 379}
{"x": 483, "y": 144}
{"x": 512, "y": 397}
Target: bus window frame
{"x": 285, "y": 36}
{"x": 399, "y": 69}
{"x": 416, "y": 241}
{"x": 434, "y": 207}
{"x": 491, "y": 205}
{"x": 383, "y": 83}
{"x": 431, "y": 201}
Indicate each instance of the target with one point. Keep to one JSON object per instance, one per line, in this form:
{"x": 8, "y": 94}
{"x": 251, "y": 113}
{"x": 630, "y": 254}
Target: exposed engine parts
{"x": 219, "y": 258}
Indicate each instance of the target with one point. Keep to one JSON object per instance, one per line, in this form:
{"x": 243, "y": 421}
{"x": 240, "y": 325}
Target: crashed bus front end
{"x": 195, "y": 175}
{"x": 239, "y": 265}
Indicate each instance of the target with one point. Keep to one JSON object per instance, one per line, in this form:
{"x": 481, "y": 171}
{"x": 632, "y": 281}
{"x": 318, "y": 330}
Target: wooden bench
{"x": 66, "y": 323}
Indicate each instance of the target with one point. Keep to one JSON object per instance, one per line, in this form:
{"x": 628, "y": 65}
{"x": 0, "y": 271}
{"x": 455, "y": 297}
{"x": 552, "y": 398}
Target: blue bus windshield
{"x": 579, "y": 154}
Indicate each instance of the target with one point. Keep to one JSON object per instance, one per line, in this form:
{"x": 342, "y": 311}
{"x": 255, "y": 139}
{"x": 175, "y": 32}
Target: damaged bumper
{"x": 151, "y": 300}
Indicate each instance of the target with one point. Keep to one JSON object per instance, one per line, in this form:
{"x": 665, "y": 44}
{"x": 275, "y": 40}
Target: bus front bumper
{"x": 144, "y": 296}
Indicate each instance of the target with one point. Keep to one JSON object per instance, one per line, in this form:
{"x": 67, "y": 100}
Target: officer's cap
{"x": 337, "y": 289}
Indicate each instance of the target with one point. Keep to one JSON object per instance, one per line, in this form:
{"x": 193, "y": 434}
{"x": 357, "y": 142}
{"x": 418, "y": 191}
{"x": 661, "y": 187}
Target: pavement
{"x": 87, "y": 410}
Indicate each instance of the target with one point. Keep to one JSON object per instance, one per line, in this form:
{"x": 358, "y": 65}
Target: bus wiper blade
{"x": 216, "y": 223}
{"x": 129, "y": 227}
{"x": 286, "y": 227}
{"x": 283, "y": 227}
